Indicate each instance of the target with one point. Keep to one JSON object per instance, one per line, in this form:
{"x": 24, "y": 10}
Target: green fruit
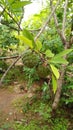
{"x": 30, "y": 59}
{"x": 43, "y": 71}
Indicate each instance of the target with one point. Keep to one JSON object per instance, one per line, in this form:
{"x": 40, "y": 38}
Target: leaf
{"x": 28, "y": 35}
{"x": 58, "y": 60}
{"x": 38, "y": 45}
{"x": 20, "y": 4}
{"x": 10, "y": 1}
{"x": 25, "y": 40}
{"x": 55, "y": 71}
{"x": 48, "y": 53}
{"x": 69, "y": 86}
{"x": 54, "y": 83}
{"x": 63, "y": 53}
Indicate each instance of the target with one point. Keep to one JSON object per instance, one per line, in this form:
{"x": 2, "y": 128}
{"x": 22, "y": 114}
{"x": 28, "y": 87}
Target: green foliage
{"x": 44, "y": 111}
{"x": 25, "y": 40}
{"x": 15, "y": 7}
{"x": 45, "y": 54}
{"x": 19, "y": 4}
{"x": 7, "y": 39}
{"x": 52, "y": 41}
{"x": 54, "y": 83}
{"x": 70, "y": 57}
{"x": 57, "y": 124}
{"x": 35, "y": 21}
{"x": 58, "y": 57}
{"x": 28, "y": 35}
{"x": 60, "y": 124}
{"x": 38, "y": 46}
{"x": 31, "y": 125}
{"x": 67, "y": 96}
{"x": 30, "y": 75}
{"x": 45, "y": 92}
{"x": 55, "y": 77}
{"x": 55, "y": 71}
{"x": 14, "y": 75}
{"x": 6, "y": 126}
{"x": 38, "y": 116}
{"x": 3, "y": 65}
{"x": 48, "y": 53}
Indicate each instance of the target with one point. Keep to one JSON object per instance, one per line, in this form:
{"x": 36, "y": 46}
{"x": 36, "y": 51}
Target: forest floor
{"x": 7, "y": 111}
{"x": 12, "y": 102}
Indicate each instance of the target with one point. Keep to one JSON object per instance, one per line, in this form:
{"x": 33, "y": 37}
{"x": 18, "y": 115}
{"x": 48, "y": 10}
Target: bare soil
{"x": 7, "y": 111}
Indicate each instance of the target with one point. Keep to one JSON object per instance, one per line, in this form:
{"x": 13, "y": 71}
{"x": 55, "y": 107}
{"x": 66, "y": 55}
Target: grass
{"x": 37, "y": 116}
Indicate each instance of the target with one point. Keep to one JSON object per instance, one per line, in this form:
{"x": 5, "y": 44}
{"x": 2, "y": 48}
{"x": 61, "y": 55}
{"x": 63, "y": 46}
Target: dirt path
{"x": 7, "y": 111}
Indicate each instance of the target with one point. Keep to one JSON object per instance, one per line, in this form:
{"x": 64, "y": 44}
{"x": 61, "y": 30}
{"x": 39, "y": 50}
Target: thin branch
{"x": 10, "y": 15}
{"x": 11, "y": 67}
{"x": 64, "y": 18}
{"x": 10, "y": 57}
{"x": 71, "y": 33}
{"x": 21, "y": 19}
{"x": 13, "y": 19}
{"x": 11, "y": 27}
{"x": 57, "y": 25}
{"x": 55, "y": 18}
{"x": 16, "y": 29}
{"x": 48, "y": 19}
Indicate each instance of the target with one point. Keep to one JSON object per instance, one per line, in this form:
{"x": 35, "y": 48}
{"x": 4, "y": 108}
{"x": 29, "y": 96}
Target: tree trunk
{"x": 60, "y": 82}
{"x": 58, "y": 92}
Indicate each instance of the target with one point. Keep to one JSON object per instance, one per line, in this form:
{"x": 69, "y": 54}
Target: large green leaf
{"x": 10, "y": 1}
{"x": 38, "y": 45}
{"x": 58, "y": 60}
{"x": 63, "y": 53}
{"x": 55, "y": 71}
{"x": 25, "y": 40}
{"x": 3, "y": 2}
{"x": 48, "y": 53}
{"x": 20, "y": 4}
{"x": 54, "y": 83}
{"x": 27, "y": 34}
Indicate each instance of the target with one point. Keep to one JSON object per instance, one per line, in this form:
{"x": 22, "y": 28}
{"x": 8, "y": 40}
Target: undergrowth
{"x": 37, "y": 116}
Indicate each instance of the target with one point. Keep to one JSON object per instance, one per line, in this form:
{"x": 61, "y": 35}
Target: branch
{"x": 21, "y": 19}
{"x": 48, "y": 19}
{"x": 11, "y": 57}
{"x": 1, "y": 81}
{"x": 16, "y": 29}
{"x": 71, "y": 33}
{"x": 63, "y": 39}
{"x": 11, "y": 27}
{"x": 11, "y": 17}
{"x": 55, "y": 19}
{"x": 64, "y": 18}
